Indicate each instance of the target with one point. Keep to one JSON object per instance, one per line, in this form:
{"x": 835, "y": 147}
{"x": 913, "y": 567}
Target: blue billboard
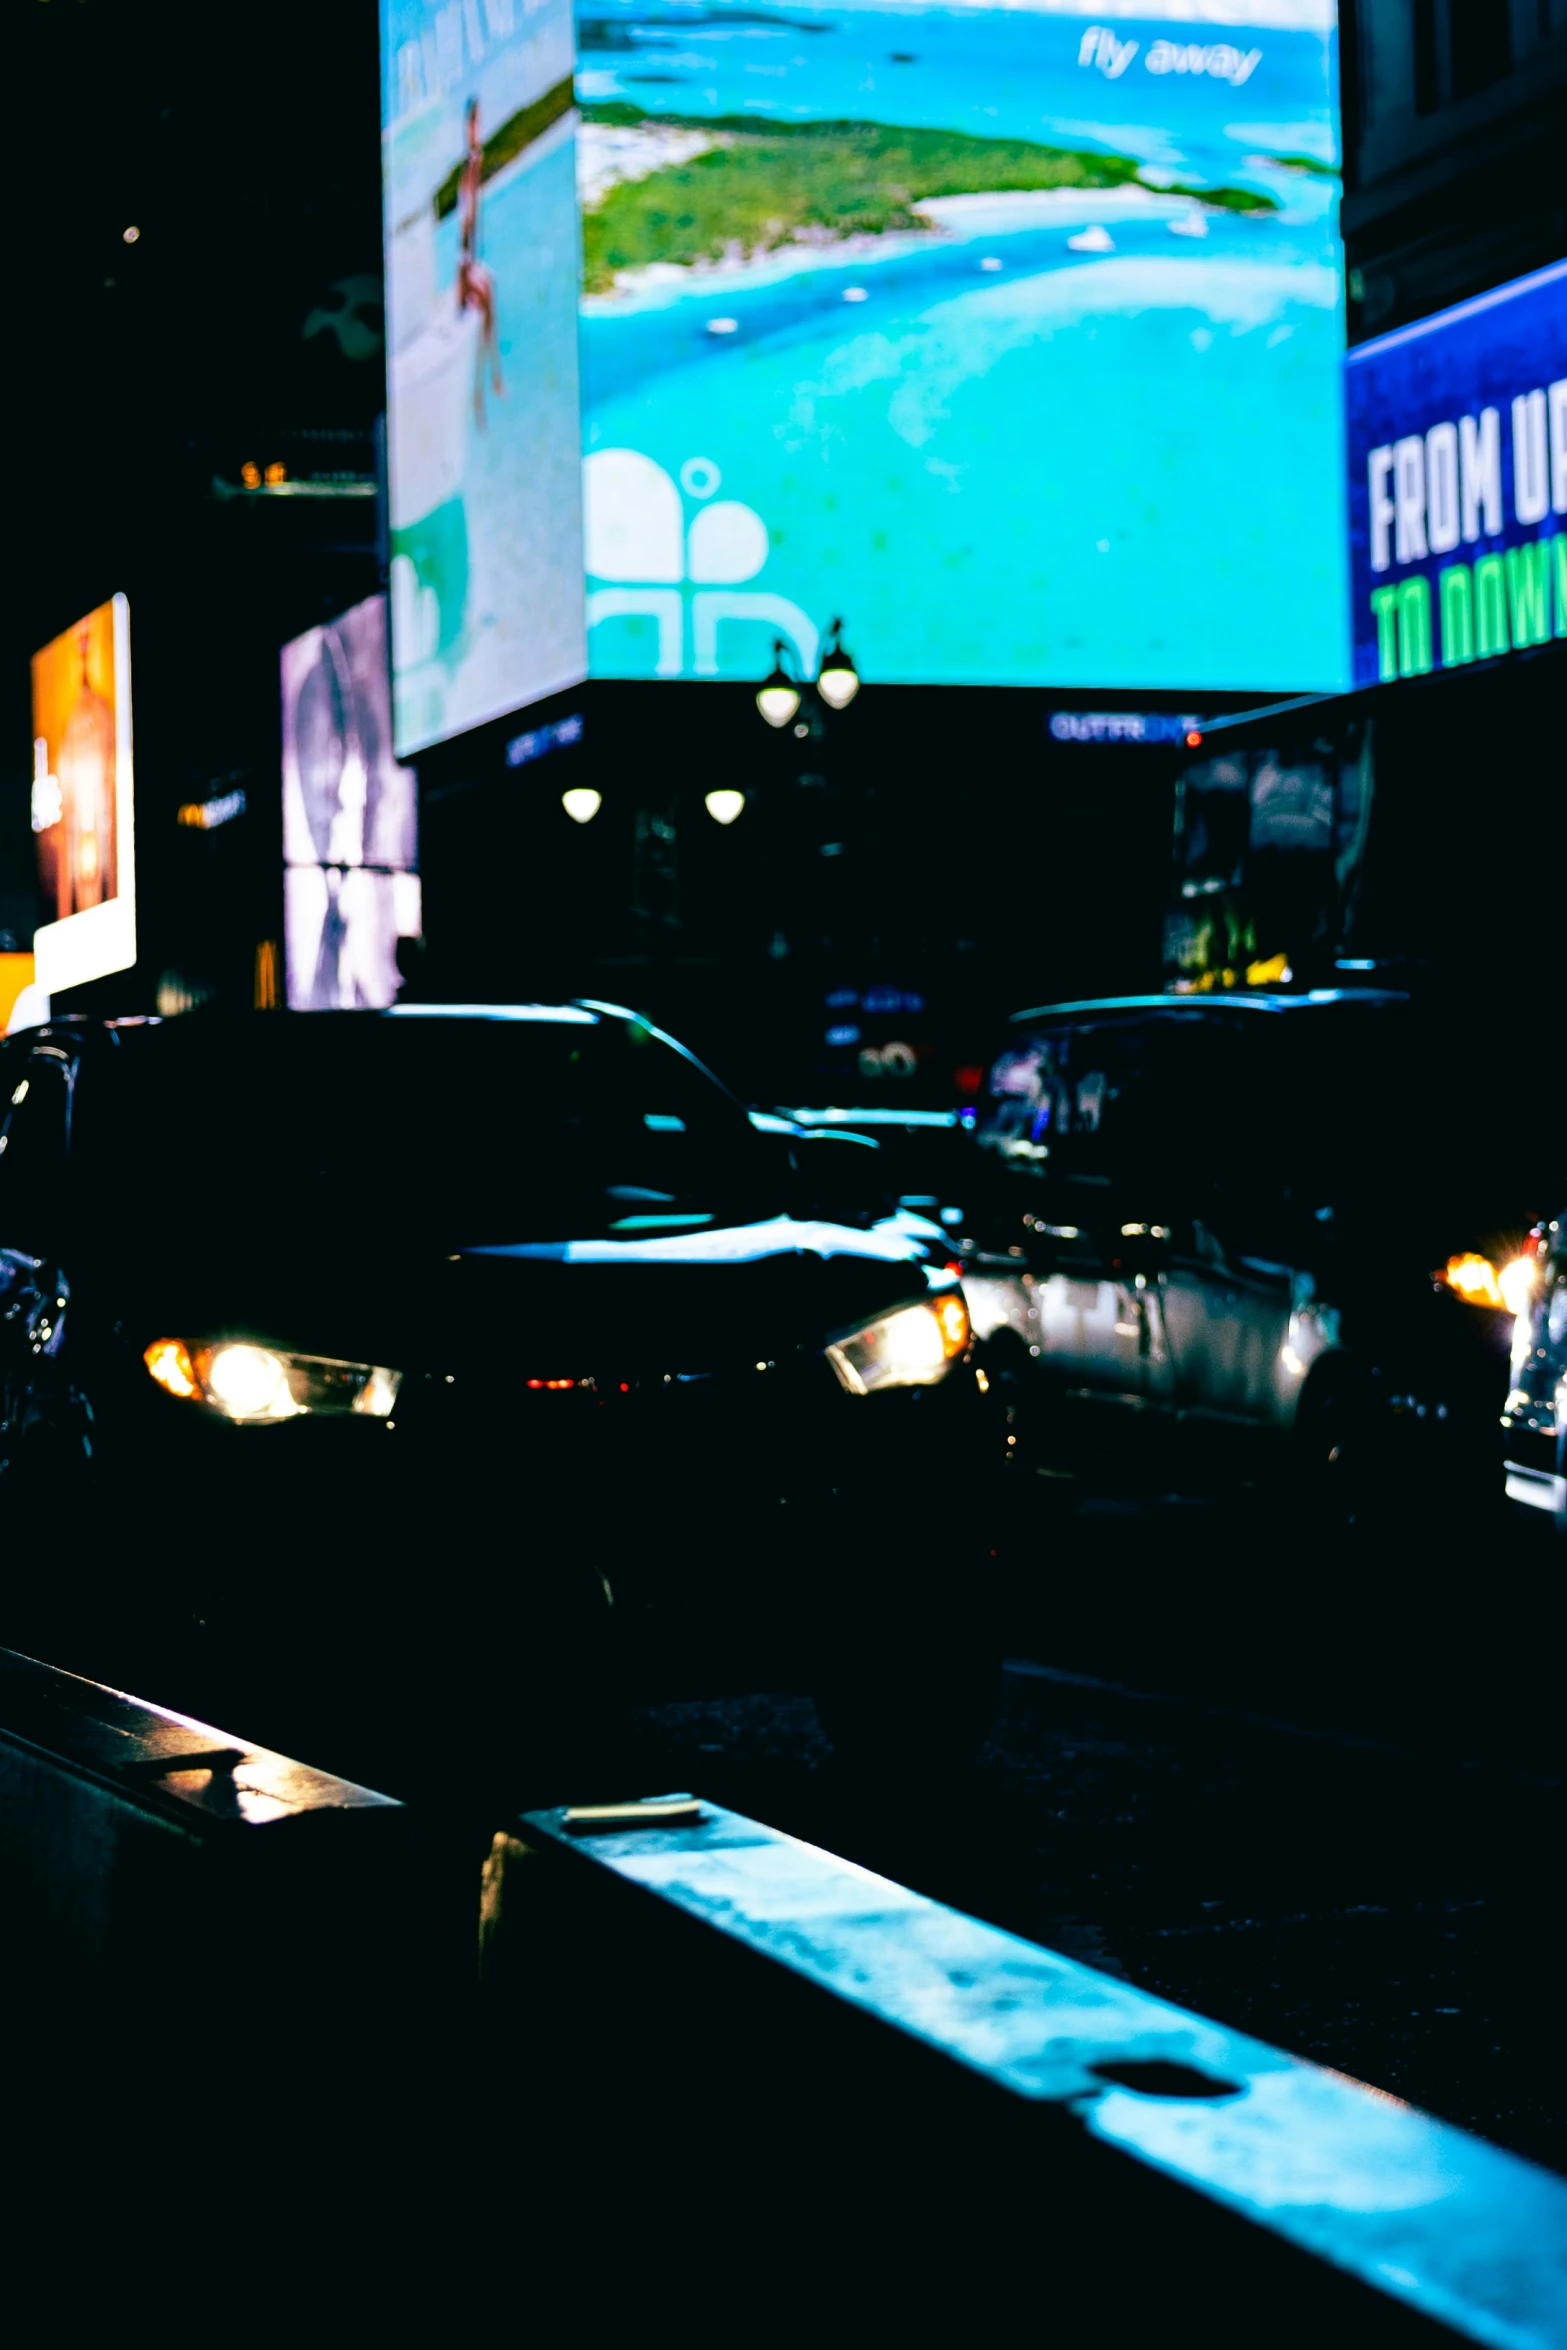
{"x": 483, "y": 415}
{"x": 1010, "y": 332}
{"x": 1458, "y": 483}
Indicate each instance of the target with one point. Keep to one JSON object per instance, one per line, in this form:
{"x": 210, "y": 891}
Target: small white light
{"x": 724, "y": 806}
{"x": 855, "y": 294}
{"x": 130, "y": 235}
{"x": 249, "y": 1381}
{"x": 723, "y": 326}
{"x": 778, "y": 701}
{"x": 581, "y": 804}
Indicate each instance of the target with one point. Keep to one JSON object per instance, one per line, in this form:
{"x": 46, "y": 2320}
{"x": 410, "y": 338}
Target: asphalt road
{"x": 1312, "y": 1791}
{"x": 1320, "y": 1801}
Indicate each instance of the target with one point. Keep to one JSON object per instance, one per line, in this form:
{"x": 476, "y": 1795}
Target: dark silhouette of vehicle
{"x": 1534, "y": 1423}
{"x": 417, "y": 1351}
{"x": 1282, "y": 1224}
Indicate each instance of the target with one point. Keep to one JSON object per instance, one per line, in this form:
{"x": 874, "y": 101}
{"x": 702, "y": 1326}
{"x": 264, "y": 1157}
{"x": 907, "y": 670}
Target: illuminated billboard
{"x": 483, "y": 414}
{"x": 350, "y": 819}
{"x": 1458, "y": 483}
{"x": 82, "y": 801}
{"x": 1011, "y": 333}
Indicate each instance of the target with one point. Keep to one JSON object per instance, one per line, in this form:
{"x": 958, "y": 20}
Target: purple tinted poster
{"x": 350, "y": 818}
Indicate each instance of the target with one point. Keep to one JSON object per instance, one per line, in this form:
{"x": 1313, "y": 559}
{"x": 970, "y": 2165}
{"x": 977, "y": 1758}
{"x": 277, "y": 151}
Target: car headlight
{"x": 1516, "y": 1283}
{"x": 911, "y": 1348}
{"x": 1478, "y": 1282}
{"x": 247, "y": 1382}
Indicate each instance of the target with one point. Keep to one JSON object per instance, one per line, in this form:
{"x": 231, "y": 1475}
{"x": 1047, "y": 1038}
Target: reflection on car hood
{"x": 688, "y": 1301}
{"x": 734, "y": 1244}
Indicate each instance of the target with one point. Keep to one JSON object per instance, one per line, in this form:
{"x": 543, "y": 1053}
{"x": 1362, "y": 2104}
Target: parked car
{"x": 421, "y": 1341}
{"x": 1534, "y": 1423}
{"x": 1285, "y": 1223}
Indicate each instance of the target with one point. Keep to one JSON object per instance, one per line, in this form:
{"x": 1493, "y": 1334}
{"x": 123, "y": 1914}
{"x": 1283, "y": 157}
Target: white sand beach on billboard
{"x": 1032, "y": 207}
{"x": 952, "y": 219}
{"x": 808, "y": 249}
{"x": 609, "y": 154}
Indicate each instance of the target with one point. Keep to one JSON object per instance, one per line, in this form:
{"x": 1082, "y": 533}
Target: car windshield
{"x": 1381, "y": 1099}
{"x": 532, "y": 1125}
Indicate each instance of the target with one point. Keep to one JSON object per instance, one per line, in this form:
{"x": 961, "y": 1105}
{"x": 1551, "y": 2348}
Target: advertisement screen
{"x": 350, "y": 819}
{"x": 483, "y": 410}
{"x": 1458, "y": 483}
{"x": 1011, "y": 335}
{"x": 82, "y": 800}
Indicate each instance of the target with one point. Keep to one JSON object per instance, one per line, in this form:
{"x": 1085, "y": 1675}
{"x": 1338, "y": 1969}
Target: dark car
{"x": 1534, "y": 1424}
{"x": 422, "y": 1345}
{"x": 897, "y": 1170}
{"x": 1278, "y": 1222}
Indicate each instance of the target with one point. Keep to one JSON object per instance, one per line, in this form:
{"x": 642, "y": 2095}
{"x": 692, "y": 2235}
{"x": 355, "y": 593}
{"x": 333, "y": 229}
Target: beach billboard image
{"x": 1013, "y": 334}
{"x": 483, "y": 407}
{"x": 82, "y": 800}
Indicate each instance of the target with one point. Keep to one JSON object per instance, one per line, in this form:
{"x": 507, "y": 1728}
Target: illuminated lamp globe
{"x": 838, "y": 681}
{"x": 778, "y": 696}
{"x": 248, "y": 1381}
{"x": 724, "y": 806}
{"x": 581, "y": 804}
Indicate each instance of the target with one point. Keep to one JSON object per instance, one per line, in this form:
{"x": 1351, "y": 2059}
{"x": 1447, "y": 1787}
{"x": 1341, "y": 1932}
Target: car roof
{"x": 581, "y": 1015}
{"x": 1113, "y": 1006}
{"x": 883, "y": 1115}
{"x": 583, "y": 1012}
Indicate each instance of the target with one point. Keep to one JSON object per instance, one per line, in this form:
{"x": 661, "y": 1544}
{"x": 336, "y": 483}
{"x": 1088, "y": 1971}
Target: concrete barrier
{"x": 717, "y": 2081}
{"x": 225, "y": 1944}
{"x": 818, "y": 2097}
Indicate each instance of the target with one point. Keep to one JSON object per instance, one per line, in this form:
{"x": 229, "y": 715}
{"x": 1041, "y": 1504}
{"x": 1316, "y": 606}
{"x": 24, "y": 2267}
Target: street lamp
{"x": 837, "y": 680}
{"x": 836, "y": 683}
{"x": 778, "y": 696}
{"x": 724, "y": 806}
{"x": 581, "y": 804}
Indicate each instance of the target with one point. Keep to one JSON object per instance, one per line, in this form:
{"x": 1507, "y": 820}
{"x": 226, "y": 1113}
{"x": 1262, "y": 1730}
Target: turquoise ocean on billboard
{"x": 1077, "y": 420}
{"x": 482, "y": 387}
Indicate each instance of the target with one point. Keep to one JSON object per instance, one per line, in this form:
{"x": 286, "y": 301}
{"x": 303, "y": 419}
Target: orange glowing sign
{"x": 82, "y": 800}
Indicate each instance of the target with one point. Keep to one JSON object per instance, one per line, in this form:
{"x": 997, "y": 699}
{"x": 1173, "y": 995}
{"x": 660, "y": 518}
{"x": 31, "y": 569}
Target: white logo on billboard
{"x": 662, "y": 567}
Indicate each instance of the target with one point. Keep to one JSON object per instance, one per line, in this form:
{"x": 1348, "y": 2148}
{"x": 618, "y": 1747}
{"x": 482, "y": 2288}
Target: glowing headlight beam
{"x": 1515, "y": 1281}
{"x": 244, "y": 1381}
{"x": 911, "y": 1348}
{"x": 1473, "y": 1278}
{"x": 247, "y": 1382}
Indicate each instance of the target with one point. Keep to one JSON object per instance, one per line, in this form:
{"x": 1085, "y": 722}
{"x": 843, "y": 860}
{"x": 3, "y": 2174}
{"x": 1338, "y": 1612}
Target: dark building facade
{"x": 1453, "y": 119}
{"x": 1369, "y": 832}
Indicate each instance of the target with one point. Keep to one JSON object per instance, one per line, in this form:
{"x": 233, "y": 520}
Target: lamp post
{"x": 837, "y": 681}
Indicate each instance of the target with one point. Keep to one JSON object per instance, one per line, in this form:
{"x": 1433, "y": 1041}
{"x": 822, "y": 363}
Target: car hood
{"x": 690, "y": 1302}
